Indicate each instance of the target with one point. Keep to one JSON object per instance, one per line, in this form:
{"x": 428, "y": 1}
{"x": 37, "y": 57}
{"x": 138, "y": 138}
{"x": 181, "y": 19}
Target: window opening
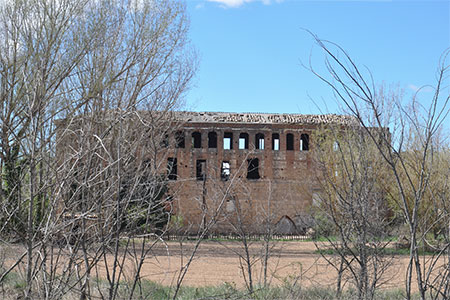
{"x": 243, "y": 141}
{"x": 225, "y": 170}
{"x": 228, "y": 141}
{"x": 172, "y": 168}
{"x": 253, "y": 168}
{"x": 275, "y": 141}
{"x": 165, "y": 141}
{"x": 335, "y": 146}
{"x": 196, "y": 139}
{"x": 212, "y": 139}
{"x": 304, "y": 142}
{"x": 289, "y": 141}
{"x": 201, "y": 169}
{"x": 179, "y": 139}
{"x": 259, "y": 141}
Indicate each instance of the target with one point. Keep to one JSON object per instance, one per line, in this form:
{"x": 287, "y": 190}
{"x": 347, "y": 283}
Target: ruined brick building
{"x": 247, "y": 168}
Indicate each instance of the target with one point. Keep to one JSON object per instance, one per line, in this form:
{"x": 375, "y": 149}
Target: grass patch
{"x": 14, "y": 285}
{"x": 385, "y": 251}
{"x": 229, "y": 291}
{"x": 324, "y": 239}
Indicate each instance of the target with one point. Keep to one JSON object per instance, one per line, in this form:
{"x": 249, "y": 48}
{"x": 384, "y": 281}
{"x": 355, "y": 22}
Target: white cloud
{"x": 425, "y": 89}
{"x": 238, "y": 3}
{"x": 200, "y": 5}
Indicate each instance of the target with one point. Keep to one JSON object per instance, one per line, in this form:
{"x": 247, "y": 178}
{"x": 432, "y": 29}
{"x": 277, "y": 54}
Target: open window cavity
{"x": 243, "y": 140}
{"x": 253, "y": 168}
{"x": 196, "y": 139}
{"x": 165, "y": 141}
{"x": 289, "y": 141}
{"x": 259, "y": 141}
{"x": 304, "y": 142}
{"x": 212, "y": 139}
{"x": 335, "y": 146}
{"x": 275, "y": 141}
{"x": 179, "y": 139}
{"x": 225, "y": 171}
{"x": 201, "y": 169}
{"x": 228, "y": 140}
{"x": 172, "y": 168}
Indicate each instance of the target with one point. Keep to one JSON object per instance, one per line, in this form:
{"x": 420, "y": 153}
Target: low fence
{"x": 174, "y": 237}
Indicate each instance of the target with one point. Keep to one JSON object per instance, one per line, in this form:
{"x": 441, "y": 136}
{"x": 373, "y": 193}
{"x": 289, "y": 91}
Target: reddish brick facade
{"x": 274, "y": 147}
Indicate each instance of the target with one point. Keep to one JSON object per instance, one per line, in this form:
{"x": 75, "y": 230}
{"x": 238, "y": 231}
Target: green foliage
{"x": 146, "y": 199}
{"x": 385, "y": 251}
{"x": 175, "y": 223}
{"x": 323, "y": 226}
{"x": 11, "y": 184}
{"x": 14, "y": 284}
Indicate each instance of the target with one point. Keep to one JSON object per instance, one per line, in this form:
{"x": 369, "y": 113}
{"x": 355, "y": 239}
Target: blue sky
{"x": 251, "y": 50}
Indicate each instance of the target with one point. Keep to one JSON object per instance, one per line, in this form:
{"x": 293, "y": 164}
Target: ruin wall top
{"x": 263, "y": 118}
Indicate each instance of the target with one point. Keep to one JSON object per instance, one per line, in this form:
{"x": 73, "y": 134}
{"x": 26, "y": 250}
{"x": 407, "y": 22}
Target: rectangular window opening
{"x": 201, "y": 169}
{"x": 225, "y": 171}
{"x": 212, "y": 140}
{"x": 276, "y": 144}
{"x": 196, "y": 140}
{"x": 289, "y": 141}
{"x": 179, "y": 139}
{"x": 304, "y": 142}
{"x": 259, "y": 141}
{"x": 242, "y": 143}
{"x": 261, "y": 144}
{"x": 253, "y": 169}
{"x": 172, "y": 168}
{"x": 275, "y": 141}
{"x": 228, "y": 141}
{"x": 165, "y": 141}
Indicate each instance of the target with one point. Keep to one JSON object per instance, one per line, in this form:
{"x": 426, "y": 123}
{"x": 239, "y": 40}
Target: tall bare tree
{"x": 87, "y": 90}
{"x": 352, "y": 198}
{"x": 409, "y": 148}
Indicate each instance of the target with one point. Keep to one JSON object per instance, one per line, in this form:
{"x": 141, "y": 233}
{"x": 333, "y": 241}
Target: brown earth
{"x": 216, "y": 263}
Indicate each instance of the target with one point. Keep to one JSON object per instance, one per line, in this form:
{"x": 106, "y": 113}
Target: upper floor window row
{"x": 243, "y": 141}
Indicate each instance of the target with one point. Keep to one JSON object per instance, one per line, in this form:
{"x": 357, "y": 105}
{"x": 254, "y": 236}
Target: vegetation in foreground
{"x": 12, "y": 288}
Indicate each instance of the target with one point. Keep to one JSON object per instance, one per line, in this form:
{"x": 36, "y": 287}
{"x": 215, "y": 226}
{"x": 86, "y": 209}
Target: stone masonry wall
{"x": 283, "y": 192}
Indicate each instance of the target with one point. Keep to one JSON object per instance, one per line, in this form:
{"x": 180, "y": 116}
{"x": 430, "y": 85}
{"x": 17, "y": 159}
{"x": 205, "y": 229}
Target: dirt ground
{"x": 216, "y": 263}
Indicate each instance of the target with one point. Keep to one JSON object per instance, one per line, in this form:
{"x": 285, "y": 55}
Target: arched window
{"x": 259, "y": 141}
{"x": 304, "y": 142}
{"x": 212, "y": 139}
{"x": 275, "y": 141}
{"x": 243, "y": 140}
{"x": 196, "y": 139}
{"x": 289, "y": 141}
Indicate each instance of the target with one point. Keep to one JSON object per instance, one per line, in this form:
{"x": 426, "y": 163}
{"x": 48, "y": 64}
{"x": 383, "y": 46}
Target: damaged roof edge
{"x": 262, "y": 118}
